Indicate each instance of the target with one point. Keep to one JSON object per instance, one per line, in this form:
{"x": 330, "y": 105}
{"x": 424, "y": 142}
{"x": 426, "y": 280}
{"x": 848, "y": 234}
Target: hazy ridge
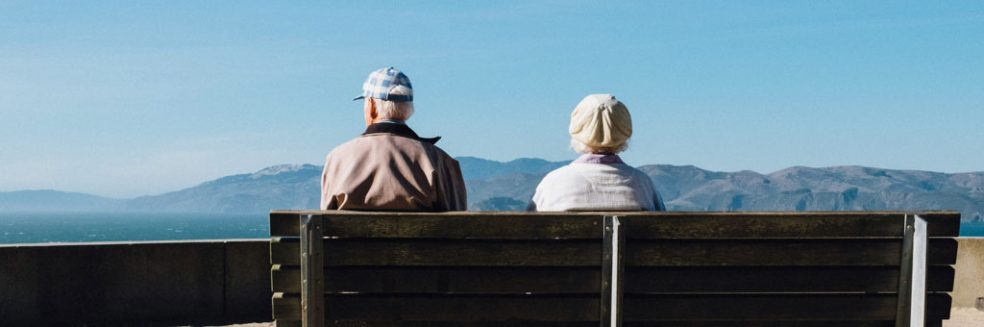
{"x": 494, "y": 185}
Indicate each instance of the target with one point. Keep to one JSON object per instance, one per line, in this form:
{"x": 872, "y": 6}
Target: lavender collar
{"x": 606, "y": 159}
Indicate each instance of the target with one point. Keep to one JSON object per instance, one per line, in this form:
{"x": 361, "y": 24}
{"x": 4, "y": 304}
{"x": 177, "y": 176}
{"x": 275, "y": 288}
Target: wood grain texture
{"x": 287, "y": 307}
{"x": 843, "y": 307}
{"x": 698, "y": 310}
{"x": 287, "y": 323}
{"x": 825, "y": 323}
{"x": 285, "y": 251}
{"x": 775, "y": 252}
{"x": 757, "y": 226}
{"x": 385, "y": 252}
{"x": 345, "y": 224}
{"x": 449, "y": 280}
{"x": 515, "y": 226}
{"x": 486, "y": 253}
{"x": 775, "y": 279}
{"x": 352, "y": 323}
{"x": 465, "y": 308}
{"x": 285, "y": 224}
{"x": 285, "y": 279}
{"x": 823, "y": 252}
{"x": 585, "y": 280}
{"x": 363, "y": 323}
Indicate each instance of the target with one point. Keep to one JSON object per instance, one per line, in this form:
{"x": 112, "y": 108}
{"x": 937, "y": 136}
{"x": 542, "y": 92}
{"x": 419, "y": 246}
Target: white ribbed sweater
{"x": 595, "y": 186}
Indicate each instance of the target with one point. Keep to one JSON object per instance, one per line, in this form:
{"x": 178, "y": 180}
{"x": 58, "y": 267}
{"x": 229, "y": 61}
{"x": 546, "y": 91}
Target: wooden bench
{"x": 584, "y": 269}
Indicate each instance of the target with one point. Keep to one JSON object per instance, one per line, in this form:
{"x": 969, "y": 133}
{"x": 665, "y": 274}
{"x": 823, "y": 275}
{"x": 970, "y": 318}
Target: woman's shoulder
{"x": 640, "y": 177}
{"x": 563, "y": 172}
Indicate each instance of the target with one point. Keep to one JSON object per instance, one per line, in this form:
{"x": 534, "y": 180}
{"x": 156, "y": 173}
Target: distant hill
{"x": 477, "y": 168}
{"x": 55, "y": 201}
{"x": 494, "y": 185}
{"x": 283, "y": 186}
{"x": 832, "y": 188}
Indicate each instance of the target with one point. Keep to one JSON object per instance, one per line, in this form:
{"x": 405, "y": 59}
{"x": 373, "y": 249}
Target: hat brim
{"x": 359, "y": 97}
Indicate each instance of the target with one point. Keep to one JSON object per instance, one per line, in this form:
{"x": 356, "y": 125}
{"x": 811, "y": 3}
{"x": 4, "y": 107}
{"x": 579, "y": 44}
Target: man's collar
{"x": 398, "y": 130}
{"x": 607, "y": 159}
{"x": 391, "y": 121}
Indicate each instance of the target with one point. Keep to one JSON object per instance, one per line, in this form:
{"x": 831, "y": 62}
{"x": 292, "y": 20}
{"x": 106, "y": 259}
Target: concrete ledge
{"x": 968, "y": 281}
{"x": 165, "y": 283}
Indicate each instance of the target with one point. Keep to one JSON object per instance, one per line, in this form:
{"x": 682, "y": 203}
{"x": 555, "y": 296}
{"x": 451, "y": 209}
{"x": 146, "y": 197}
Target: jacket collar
{"x": 398, "y": 130}
{"x": 607, "y": 159}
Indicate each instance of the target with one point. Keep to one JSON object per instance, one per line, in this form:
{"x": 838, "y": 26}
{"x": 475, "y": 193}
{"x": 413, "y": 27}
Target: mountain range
{"x": 494, "y": 185}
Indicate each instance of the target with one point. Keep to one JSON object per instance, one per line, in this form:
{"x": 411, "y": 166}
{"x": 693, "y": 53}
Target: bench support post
{"x": 312, "y": 271}
{"x": 911, "y": 310}
{"x": 611, "y": 273}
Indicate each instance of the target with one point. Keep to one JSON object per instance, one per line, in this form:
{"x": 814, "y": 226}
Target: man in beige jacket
{"x": 389, "y": 167}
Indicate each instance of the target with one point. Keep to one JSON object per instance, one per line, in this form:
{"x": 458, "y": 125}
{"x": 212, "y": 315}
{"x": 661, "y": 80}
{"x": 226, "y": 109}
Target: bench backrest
{"x": 590, "y": 269}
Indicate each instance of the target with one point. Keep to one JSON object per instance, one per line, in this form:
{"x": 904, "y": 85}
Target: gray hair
{"x": 579, "y": 147}
{"x": 395, "y": 110}
{"x": 386, "y": 109}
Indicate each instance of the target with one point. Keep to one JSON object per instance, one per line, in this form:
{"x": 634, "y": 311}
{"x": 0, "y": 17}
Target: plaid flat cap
{"x": 387, "y": 84}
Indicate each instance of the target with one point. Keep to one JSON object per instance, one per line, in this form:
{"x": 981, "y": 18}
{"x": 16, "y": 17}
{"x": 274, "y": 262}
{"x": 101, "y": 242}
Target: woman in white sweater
{"x": 598, "y": 180}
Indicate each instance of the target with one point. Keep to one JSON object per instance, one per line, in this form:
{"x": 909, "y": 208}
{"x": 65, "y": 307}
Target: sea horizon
{"x": 69, "y": 227}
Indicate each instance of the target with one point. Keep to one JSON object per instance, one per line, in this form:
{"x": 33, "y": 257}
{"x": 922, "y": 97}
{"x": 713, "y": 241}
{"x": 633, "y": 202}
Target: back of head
{"x": 600, "y": 123}
{"x": 392, "y": 91}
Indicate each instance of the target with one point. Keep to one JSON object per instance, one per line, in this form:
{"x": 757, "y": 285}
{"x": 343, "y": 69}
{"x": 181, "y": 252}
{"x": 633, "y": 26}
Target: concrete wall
{"x": 162, "y": 283}
{"x": 968, "y": 282}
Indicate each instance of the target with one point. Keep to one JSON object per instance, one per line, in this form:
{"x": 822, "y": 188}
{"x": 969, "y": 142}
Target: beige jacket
{"x": 390, "y": 168}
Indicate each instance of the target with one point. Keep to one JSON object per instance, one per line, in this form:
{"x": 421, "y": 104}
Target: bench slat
{"x": 678, "y": 308}
{"x": 503, "y": 226}
{"x": 287, "y": 306}
{"x": 462, "y": 324}
{"x": 456, "y": 225}
{"x": 383, "y": 252}
{"x": 388, "y": 252}
{"x": 457, "y": 308}
{"x": 719, "y": 323}
{"x": 449, "y": 280}
{"x": 586, "y": 225}
{"x": 772, "y": 307}
{"x": 776, "y": 279}
{"x": 936, "y": 323}
{"x": 284, "y": 223}
{"x": 578, "y": 280}
{"x": 824, "y": 252}
{"x": 779, "y": 225}
{"x": 396, "y": 252}
{"x": 285, "y": 251}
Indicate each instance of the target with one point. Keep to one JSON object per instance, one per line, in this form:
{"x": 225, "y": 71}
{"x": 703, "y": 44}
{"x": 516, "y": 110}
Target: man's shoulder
{"x": 440, "y": 151}
{"x": 375, "y": 142}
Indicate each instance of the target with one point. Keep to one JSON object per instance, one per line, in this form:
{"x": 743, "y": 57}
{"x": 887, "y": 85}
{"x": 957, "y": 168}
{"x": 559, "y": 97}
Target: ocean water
{"x": 94, "y": 227}
{"x": 105, "y": 227}
{"x": 972, "y": 229}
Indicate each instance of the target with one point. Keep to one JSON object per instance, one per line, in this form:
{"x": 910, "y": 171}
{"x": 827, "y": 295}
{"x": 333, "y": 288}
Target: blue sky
{"x": 125, "y": 98}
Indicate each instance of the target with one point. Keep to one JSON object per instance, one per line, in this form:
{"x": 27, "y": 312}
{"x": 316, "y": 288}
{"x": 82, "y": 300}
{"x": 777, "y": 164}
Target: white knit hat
{"x": 601, "y": 121}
